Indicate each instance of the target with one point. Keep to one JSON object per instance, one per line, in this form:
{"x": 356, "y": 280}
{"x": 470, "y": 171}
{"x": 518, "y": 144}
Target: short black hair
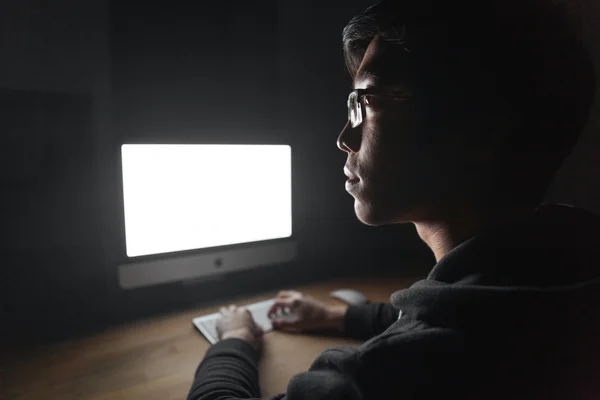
{"x": 524, "y": 61}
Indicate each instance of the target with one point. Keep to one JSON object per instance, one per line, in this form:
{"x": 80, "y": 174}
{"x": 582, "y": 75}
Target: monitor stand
{"x": 181, "y": 268}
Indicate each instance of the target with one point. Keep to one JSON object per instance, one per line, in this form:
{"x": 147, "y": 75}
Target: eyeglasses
{"x": 355, "y": 110}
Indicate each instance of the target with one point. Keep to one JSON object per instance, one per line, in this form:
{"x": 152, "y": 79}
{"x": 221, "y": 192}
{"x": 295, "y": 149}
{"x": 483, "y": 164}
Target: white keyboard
{"x": 207, "y": 323}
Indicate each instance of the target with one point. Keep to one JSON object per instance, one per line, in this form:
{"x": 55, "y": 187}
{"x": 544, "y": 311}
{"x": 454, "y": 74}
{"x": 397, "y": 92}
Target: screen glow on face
{"x": 184, "y": 197}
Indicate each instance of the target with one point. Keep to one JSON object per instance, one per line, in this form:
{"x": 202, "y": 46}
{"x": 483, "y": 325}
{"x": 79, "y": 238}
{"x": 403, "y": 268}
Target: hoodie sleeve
{"x": 229, "y": 371}
{"x": 369, "y": 320}
{"x": 391, "y": 366}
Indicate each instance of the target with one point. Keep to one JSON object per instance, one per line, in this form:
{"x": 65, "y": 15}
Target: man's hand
{"x": 238, "y": 323}
{"x": 310, "y": 314}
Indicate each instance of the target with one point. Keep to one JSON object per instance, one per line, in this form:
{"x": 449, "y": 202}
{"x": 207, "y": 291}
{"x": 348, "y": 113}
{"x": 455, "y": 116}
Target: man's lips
{"x": 352, "y": 182}
{"x": 352, "y": 178}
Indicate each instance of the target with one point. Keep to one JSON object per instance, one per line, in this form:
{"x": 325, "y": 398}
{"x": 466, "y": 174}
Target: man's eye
{"x": 368, "y": 99}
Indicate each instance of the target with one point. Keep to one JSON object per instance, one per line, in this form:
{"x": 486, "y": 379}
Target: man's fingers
{"x": 228, "y": 309}
{"x": 285, "y": 298}
{"x": 272, "y": 309}
{"x": 286, "y": 305}
{"x": 279, "y": 303}
{"x": 283, "y": 294}
{"x": 292, "y": 303}
{"x": 288, "y": 293}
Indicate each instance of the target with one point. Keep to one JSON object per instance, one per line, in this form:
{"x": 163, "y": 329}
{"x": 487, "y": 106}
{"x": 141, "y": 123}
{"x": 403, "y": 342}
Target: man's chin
{"x": 378, "y": 213}
{"x": 370, "y": 215}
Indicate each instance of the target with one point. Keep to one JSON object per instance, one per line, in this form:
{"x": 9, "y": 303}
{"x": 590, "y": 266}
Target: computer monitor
{"x": 192, "y": 210}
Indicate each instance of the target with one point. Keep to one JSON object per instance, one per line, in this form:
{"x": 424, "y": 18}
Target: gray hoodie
{"x": 513, "y": 313}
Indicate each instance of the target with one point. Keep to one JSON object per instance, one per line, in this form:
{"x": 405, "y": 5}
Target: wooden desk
{"x": 156, "y": 359}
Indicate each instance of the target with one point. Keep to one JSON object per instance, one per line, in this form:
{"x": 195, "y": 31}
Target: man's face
{"x": 393, "y": 177}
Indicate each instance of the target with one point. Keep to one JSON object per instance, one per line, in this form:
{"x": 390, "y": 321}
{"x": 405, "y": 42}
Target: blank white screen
{"x": 183, "y": 197}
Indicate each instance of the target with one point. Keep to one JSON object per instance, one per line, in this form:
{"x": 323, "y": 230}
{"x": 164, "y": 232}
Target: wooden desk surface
{"x": 156, "y": 359}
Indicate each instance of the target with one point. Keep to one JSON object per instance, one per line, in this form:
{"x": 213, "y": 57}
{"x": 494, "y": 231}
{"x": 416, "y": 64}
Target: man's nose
{"x": 349, "y": 139}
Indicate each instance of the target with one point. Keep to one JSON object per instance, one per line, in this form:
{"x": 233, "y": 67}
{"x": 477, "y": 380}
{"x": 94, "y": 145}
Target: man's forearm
{"x": 335, "y": 318}
{"x": 229, "y": 370}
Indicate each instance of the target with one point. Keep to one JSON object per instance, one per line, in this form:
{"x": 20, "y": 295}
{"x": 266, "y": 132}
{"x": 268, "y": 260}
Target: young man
{"x": 461, "y": 114}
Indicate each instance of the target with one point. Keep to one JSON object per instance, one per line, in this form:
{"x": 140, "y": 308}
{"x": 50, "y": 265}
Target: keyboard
{"x": 207, "y": 324}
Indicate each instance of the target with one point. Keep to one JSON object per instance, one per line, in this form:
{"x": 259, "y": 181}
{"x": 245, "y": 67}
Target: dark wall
{"x": 54, "y": 97}
{"x": 181, "y": 69}
{"x": 50, "y": 247}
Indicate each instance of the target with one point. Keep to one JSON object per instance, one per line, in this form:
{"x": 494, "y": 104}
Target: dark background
{"x": 78, "y": 79}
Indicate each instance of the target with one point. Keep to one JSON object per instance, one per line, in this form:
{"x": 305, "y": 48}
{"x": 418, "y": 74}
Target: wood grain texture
{"x": 156, "y": 359}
